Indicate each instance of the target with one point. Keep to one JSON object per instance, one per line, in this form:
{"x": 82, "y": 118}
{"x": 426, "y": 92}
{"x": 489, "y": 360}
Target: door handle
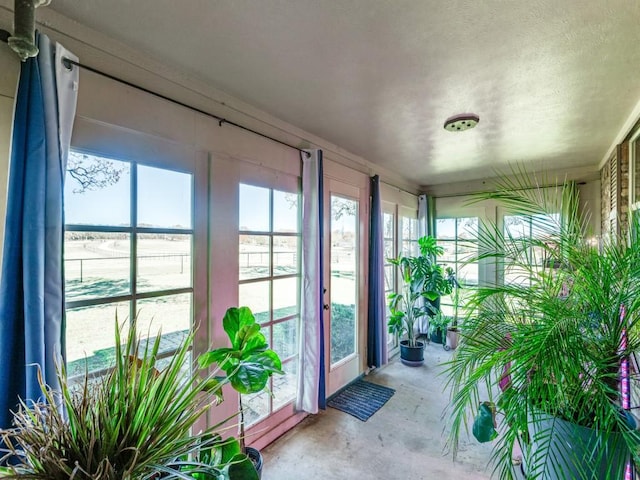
{"x": 326, "y": 306}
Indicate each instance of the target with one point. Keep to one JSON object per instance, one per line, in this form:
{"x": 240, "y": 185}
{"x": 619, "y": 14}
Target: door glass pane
{"x": 285, "y": 297}
{"x": 164, "y": 198}
{"x": 254, "y": 208}
{"x": 96, "y": 264}
{"x": 254, "y": 256}
{"x": 285, "y": 386}
{"x": 285, "y": 338}
{"x": 285, "y": 255}
{"x": 255, "y": 295}
{"x": 97, "y": 191}
{"x": 256, "y": 406}
{"x": 164, "y": 261}
{"x": 344, "y": 293}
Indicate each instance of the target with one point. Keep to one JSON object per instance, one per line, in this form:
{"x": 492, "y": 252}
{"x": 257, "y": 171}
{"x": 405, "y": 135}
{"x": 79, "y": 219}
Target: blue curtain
{"x": 31, "y": 285}
{"x": 311, "y": 393}
{"x": 376, "y": 324}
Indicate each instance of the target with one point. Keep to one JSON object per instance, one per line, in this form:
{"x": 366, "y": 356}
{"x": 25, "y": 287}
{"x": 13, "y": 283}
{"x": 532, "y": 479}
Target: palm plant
{"x": 546, "y": 347}
{"x": 133, "y": 423}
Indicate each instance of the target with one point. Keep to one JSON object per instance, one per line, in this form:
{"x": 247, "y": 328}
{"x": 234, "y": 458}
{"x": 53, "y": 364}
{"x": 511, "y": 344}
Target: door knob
{"x": 326, "y": 306}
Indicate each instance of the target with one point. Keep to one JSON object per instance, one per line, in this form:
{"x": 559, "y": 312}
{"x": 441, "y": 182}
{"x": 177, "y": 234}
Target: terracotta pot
{"x": 452, "y": 337}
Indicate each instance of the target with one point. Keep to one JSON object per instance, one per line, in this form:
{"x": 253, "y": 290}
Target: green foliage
{"x": 423, "y": 283}
{"x": 130, "y": 424}
{"x": 405, "y": 307}
{"x": 343, "y": 330}
{"x": 438, "y": 322}
{"x": 552, "y": 340}
{"x": 224, "y": 454}
{"x": 248, "y": 363}
{"x": 431, "y": 277}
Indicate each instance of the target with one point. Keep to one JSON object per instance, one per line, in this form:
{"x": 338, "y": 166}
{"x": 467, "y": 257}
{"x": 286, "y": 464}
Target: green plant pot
{"x": 411, "y": 356}
{"x": 563, "y": 450}
{"x": 437, "y": 335}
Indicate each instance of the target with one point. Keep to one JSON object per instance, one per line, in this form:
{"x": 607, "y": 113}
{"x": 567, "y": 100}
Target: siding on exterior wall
{"x": 614, "y": 180}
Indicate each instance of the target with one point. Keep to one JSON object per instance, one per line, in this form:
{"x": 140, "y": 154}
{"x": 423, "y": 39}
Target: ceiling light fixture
{"x": 460, "y": 122}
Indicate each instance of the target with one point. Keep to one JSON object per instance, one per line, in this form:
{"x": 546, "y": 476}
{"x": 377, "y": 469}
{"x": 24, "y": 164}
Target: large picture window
{"x": 527, "y": 228}
{"x": 269, "y": 278}
{"x": 127, "y": 252}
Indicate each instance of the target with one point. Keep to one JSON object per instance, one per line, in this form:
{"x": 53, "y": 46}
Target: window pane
{"x": 285, "y": 297}
{"x": 171, "y": 313}
{"x": 285, "y": 386}
{"x": 389, "y": 277}
{"x": 96, "y": 265}
{"x": 285, "y": 338}
{"x": 164, "y": 198}
{"x": 255, "y": 295}
{"x": 164, "y": 261}
{"x": 285, "y": 212}
{"x": 97, "y": 191}
{"x": 468, "y": 228}
{"x": 254, "y": 256}
{"x": 388, "y": 249}
{"x": 285, "y": 255}
{"x": 387, "y": 222}
{"x": 516, "y": 226}
{"x": 254, "y": 208}
{"x": 90, "y": 335}
{"x": 446, "y": 228}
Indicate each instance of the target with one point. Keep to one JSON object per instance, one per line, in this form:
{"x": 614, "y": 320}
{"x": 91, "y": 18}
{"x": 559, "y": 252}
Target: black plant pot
{"x": 256, "y": 457}
{"x": 437, "y": 335}
{"x": 411, "y": 356}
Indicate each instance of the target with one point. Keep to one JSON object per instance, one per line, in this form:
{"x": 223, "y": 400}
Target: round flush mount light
{"x": 463, "y": 121}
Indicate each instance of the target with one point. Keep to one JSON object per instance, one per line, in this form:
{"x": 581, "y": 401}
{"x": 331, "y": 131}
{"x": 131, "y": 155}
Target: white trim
{"x": 624, "y": 131}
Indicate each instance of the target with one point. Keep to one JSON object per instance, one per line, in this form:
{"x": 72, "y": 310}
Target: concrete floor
{"x": 404, "y": 439}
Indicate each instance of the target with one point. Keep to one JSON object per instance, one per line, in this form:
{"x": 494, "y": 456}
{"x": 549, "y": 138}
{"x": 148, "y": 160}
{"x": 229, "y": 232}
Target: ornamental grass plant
{"x": 132, "y": 423}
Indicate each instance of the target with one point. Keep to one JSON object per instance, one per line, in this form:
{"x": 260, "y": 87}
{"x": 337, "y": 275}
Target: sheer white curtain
{"x": 311, "y": 383}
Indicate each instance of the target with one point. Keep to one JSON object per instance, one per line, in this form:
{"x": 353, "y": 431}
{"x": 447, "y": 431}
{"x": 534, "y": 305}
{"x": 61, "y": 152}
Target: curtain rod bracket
{"x": 67, "y": 63}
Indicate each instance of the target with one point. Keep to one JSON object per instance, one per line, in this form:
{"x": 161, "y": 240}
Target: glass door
{"x": 342, "y": 283}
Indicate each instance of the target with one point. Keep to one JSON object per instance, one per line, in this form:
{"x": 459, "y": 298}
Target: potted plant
{"x": 432, "y": 278}
{"x": 132, "y": 423}
{"x": 248, "y": 364}
{"x": 405, "y": 309}
{"x": 438, "y": 327}
{"x": 549, "y": 347}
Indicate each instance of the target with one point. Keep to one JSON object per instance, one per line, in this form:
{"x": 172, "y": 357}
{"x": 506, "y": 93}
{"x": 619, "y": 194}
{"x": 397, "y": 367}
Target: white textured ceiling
{"x": 552, "y": 81}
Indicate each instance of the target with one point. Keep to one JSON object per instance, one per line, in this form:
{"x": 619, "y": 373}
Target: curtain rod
{"x": 68, "y": 63}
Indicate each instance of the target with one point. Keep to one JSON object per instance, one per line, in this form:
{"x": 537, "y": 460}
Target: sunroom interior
{"x": 183, "y": 193}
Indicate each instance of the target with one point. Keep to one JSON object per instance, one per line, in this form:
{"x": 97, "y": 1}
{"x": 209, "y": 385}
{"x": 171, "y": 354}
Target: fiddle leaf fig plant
{"x": 248, "y": 363}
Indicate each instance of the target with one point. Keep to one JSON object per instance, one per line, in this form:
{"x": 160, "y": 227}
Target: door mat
{"x": 361, "y": 399}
